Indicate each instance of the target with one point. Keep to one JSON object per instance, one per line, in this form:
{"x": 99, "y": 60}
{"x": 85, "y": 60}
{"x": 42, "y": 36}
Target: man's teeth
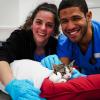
{"x": 73, "y": 32}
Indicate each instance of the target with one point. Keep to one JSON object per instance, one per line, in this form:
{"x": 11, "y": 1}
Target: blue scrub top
{"x": 71, "y": 50}
{"x": 39, "y": 57}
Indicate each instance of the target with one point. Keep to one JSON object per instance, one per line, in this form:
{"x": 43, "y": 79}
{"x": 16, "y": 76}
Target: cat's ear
{"x": 54, "y": 67}
{"x": 71, "y": 64}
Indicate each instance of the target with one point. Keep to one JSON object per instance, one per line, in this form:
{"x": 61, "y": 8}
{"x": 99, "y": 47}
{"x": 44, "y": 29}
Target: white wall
{"x": 9, "y": 13}
{"x": 26, "y": 6}
{"x": 94, "y": 6}
{"x": 9, "y": 17}
{"x": 96, "y": 13}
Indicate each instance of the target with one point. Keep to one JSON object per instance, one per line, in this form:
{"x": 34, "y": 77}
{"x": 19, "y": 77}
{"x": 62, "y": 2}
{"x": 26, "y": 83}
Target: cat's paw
{"x": 55, "y": 78}
{"x": 62, "y": 80}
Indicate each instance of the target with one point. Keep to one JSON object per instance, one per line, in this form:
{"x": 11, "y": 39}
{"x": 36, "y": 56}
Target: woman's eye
{"x": 38, "y": 22}
{"x": 50, "y": 25}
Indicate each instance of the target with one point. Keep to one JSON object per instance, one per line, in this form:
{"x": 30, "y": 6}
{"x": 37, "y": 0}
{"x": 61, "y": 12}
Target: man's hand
{"x": 76, "y": 74}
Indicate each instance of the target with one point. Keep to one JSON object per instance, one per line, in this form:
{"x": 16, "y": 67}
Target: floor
{"x": 4, "y": 96}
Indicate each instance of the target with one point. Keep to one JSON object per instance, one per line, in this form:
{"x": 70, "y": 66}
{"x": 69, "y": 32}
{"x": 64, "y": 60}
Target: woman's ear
{"x": 31, "y": 26}
{"x": 89, "y": 16}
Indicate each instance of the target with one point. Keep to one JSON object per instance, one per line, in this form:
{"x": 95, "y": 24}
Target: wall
{"x": 95, "y": 13}
{"x": 9, "y": 17}
{"x": 94, "y": 6}
{"x": 26, "y": 6}
{"x": 9, "y": 13}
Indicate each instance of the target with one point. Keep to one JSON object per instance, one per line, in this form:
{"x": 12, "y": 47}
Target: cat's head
{"x": 63, "y": 69}
{"x": 59, "y": 68}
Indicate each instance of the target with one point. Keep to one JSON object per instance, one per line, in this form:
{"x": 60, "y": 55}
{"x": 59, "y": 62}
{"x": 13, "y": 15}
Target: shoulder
{"x": 62, "y": 39}
{"x": 20, "y": 34}
{"x": 96, "y": 27}
{"x": 52, "y": 40}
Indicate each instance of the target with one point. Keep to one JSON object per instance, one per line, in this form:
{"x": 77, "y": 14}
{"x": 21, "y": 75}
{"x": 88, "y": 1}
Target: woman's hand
{"x": 22, "y": 90}
{"x": 50, "y": 60}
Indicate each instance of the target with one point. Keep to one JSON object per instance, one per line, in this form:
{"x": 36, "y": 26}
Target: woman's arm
{"x": 5, "y": 73}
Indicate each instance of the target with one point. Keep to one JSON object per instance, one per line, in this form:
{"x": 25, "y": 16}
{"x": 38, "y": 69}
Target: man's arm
{"x": 65, "y": 60}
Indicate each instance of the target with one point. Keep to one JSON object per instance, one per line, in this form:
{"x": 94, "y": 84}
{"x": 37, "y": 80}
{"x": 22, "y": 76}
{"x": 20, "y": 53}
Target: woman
{"x": 34, "y": 40}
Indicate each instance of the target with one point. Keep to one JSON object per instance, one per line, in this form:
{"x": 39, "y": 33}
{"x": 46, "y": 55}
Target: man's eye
{"x": 64, "y": 21}
{"x": 76, "y": 18}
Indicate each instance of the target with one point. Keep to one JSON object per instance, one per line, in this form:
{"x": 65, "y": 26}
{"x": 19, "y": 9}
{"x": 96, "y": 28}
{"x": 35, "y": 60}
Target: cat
{"x": 61, "y": 72}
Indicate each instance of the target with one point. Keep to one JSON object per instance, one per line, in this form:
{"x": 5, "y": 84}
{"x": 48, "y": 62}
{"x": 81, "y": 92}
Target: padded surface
{"x": 76, "y": 89}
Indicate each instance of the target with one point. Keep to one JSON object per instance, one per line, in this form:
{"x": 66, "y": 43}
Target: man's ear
{"x": 89, "y": 16}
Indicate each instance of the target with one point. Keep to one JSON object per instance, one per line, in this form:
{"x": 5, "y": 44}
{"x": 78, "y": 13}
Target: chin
{"x": 40, "y": 44}
{"x": 75, "y": 41}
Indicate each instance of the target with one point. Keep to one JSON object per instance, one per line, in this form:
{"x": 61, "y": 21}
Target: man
{"x": 79, "y": 42}
{"x": 82, "y": 42}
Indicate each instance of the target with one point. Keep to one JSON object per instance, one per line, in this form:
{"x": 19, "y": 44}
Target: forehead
{"x": 69, "y": 12}
{"x": 43, "y": 14}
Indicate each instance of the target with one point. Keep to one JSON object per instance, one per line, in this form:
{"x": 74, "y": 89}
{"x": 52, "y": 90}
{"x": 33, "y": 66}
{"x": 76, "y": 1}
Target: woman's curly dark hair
{"x": 46, "y": 7}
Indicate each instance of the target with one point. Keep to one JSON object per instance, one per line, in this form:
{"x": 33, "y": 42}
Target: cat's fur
{"x": 61, "y": 72}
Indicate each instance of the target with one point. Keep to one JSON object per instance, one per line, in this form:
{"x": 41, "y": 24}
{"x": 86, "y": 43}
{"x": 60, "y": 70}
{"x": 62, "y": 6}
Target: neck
{"x": 86, "y": 39}
{"x": 39, "y": 50}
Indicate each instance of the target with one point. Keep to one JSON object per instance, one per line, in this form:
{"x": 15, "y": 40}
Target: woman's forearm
{"x": 5, "y": 73}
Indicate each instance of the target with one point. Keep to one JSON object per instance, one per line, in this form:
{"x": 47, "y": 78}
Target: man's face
{"x": 74, "y": 23}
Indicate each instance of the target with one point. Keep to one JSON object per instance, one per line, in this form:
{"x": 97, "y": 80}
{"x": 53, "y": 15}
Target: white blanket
{"x": 31, "y": 70}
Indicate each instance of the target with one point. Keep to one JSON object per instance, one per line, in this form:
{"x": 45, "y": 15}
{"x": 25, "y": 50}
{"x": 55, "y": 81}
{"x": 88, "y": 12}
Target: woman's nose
{"x": 43, "y": 26}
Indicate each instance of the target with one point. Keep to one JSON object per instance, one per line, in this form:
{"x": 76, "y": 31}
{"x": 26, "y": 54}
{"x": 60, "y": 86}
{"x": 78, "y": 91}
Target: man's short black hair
{"x": 74, "y": 3}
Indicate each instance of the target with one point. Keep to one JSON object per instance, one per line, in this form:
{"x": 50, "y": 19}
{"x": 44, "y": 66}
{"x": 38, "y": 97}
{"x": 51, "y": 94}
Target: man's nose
{"x": 70, "y": 24}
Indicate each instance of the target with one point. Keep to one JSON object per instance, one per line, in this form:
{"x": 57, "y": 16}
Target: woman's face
{"x": 43, "y": 27}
